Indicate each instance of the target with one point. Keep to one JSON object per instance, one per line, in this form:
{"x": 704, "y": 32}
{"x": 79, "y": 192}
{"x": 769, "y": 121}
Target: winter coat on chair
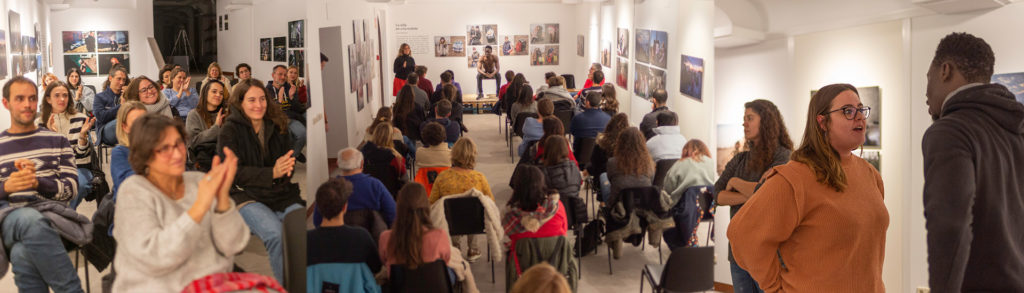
{"x": 564, "y": 176}
{"x": 492, "y": 219}
{"x": 254, "y": 180}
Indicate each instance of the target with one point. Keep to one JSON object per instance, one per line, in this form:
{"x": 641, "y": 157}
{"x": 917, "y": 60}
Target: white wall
{"x": 135, "y": 17}
{"x": 451, "y": 19}
{"x": 924, "y": 37}
{"x": 30, "y": 12}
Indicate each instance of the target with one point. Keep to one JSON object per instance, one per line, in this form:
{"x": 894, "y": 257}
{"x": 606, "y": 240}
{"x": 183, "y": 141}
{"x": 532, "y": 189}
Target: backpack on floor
{"x": 593, "y": 233}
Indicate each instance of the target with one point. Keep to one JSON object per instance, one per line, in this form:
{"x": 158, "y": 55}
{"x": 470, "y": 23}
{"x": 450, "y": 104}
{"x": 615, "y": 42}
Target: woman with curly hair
{"x": 630, "y": 167}
{"x": 769, "y": 145}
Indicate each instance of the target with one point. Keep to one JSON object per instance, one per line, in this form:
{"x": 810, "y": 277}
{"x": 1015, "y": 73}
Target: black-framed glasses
{"x": 850, "y": 112}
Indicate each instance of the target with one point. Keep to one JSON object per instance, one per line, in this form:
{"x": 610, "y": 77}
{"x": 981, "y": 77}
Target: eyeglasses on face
{"x": 850, "y": 112}
{"x": 165, "y": 150}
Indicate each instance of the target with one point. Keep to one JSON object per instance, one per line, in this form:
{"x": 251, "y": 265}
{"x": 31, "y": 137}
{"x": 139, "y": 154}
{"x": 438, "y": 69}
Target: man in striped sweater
{"x": 35, "y": 165}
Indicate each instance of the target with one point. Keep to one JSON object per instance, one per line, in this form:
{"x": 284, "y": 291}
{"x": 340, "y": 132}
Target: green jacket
{"x": 553, "y": 250}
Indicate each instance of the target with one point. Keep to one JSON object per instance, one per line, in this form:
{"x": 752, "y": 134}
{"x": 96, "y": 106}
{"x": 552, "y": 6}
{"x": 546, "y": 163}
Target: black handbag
{"x": 98, "y": 183}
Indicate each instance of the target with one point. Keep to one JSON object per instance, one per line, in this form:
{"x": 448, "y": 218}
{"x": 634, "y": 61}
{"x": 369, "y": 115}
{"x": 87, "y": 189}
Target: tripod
{"x": 182, "y": 41}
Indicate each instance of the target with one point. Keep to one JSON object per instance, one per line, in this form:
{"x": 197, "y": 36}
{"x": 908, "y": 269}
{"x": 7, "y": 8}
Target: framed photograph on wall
{"x": 691, "y": 77}
{"x": 297, "y": 34}
{"x": 579, "y": 45}
{"x": 606, "y": 55}
{"x": 266, "y": 48}
{"x": 622, "y": 43}
{"x": 1012, "y": 81}
{"x": 79, "y": 41}
{"x": 659, "y": 49}
{"x": 474, "y": 56}
{"x": 506, "y": 45}
{"x": 280, "y": 53}
{"x": 536, "y": 55}
{"x": 643, "y": 46}
{"x": 14, "y": 22}
{"x": 3, "y": 55}
{"x": 458, "y": 46}
{"x": 107, "y": 61}
{"x": 442, "y": 46}
{"x": 112, "y": 41}
{"x": 298, "y": 58}
{"x": 622, "y": 72}
{"x": 551, "y": 55}
{"x": 544, "y": 33}
{"x": 646, "y": 80}
{"x": 482, "y": 34}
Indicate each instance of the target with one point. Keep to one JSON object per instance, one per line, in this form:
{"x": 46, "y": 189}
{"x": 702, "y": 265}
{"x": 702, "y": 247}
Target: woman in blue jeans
{"x": 60, "y": 116}
{"x": 257, "y": 132}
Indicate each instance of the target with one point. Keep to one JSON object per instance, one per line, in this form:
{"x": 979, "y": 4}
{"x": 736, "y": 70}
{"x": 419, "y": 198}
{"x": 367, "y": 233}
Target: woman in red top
{"x": 534, "y": 210}
{"x": 552, "y": 126}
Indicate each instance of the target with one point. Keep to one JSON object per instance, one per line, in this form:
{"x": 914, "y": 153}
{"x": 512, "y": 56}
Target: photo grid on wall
{"x": 360, "y": 59}
{"x": 651, "y": 61}
{"x": 95, "y": 52}
{"x": 297, "y": 41}
{"x": 544, "y": 40}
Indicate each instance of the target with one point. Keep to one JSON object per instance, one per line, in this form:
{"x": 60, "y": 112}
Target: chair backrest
{"x": 583, "y": 148}
{"x": 370, "y": 220}
{"x": 661, "y": 170}
{"x": 465, "y": 216}
{"x": 294, "y": 239}
{"x": 517, "y": 123}
{"x": 566, "y": 117}
{"x": 647, "y": 198}
{"x": 430, "y": 277}
{"x": 339, "y": 277}
{"x": 575, "y": 216}
{"x": 427, "y": 175}
{"x": 570, "y": 81}
{"x": 689, "y": 269}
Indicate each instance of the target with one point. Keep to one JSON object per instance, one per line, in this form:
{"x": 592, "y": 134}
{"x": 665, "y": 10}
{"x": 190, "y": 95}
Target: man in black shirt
{"x": 333, "y": 241}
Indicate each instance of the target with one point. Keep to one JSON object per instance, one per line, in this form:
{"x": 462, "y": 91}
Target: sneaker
{"x": 300, "y": 158}
{"x": 474, "y": 255}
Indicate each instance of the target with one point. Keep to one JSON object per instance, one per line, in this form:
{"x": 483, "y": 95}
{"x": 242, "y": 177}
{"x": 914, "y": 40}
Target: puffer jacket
{"x": 564, "y": 177}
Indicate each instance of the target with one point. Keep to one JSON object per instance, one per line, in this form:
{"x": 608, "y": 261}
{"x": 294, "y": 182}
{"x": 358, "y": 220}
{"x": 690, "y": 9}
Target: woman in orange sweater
{"x": 818, "y": 222}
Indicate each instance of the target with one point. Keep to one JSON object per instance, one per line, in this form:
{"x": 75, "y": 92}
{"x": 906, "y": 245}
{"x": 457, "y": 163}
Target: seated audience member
{"x": 368, "y": 192}
{"x": 556, "y": 91}
{"x": 534, "y": 210}
{"x": 630, "y": 167}
{"x": 38, "y": 171}
{"x": 592, "y": 120}
{"x": 282, "y": 94}
{"x": 408, "y": 115}
{"x": 658, "y": 105}
{"x": 382, "y": 160}
{"x": 603, "y": 150}
{"x": 544, "y": 85}
{"x": 213, "y": 72}
{"x": 244, "y": 72}
{"x": 442, "y": 110}
{"x": 175, "y": 226}
{"x": 591, "y": 81}
{"x": 182, "y": 96}
{"x": 257, "y": 131}
{"x": 447, "y": 77}
{"x": 597, "y": 80}
{"x": 144, "y": 90}
{"x": 448, "y": 92}
{"x": 165, "y": 76}
{"x": 509, "y": 75}
{"x": 695, "y": 168}
{"x": 541, "y": 278}
{"x": 435, "y": 152}
{"x": 461, "y": 178}
{"x": 301, "y": 90}
{"x": 83, "y": 96}
{"x": 107, "y": 103}
{"x": 333, "y": 241}
{"x": 524, "y": 102}
{"x": 609, "y": 104}
{"x": 120, "y": 166}
{"x": 413, "y": 240}
{"x": 383, "y": 115}
{"x": 204, "y": 122}
{"x": 533, "y": 129}
{"x": 560, "y": 173}
{"x": 517, "y": 83}
{"x": 552, "y": 127}
{"x": 420, "y": 96}
{"x": 423, "y": 83}
{"x": 665, "y": 144}
{"x": 60, "y": 116}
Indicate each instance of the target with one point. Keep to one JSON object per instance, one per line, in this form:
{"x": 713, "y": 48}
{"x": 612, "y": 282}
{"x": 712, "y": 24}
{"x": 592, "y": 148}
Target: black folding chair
{"x": 294, "y": 240}
{"x": 466, "y": 216}
{"x": 632, "y": 199}
{"x": 661, "y": 170}
{"x": 431, "y": 277}
{"x": 575, "y": 224}
{"x": 570, "y": 81}
{"x": 566, "y": 117}
{"x": 583, "y": 147}
{"x": 517, "y": 130}
{"x": 689, "y": 269}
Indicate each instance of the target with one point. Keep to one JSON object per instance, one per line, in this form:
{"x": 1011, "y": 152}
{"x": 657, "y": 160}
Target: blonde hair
{"x": 122, "y": 117}
{"x": 220, "y": 72}
{"x": 464, "y": 153}
{"x": 541, "y": 278}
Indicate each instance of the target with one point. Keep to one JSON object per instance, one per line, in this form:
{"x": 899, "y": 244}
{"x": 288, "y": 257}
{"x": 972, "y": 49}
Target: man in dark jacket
{"x": 107, "y": 103}
{"x": 452, "y": 129}
{"x": 283, "y": 93}
{"x": 659, "y": 100}
{"x": 973, "y": 168}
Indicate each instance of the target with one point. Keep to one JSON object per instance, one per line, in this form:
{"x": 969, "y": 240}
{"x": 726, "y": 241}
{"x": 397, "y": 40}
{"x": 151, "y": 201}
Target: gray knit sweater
{"x": 160, "y": 248}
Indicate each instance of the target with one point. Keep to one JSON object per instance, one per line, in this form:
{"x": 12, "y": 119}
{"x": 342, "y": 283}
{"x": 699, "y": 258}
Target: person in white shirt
{"x": 665, "y": 144}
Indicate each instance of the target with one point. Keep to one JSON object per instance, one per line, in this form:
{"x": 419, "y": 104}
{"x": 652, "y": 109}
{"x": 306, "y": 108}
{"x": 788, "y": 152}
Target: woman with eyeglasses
{"x": 767, "y": 145}
{"x": 173, "y": 226}
{"x": 819, "y": 221}
{"x": 144, "y": 90}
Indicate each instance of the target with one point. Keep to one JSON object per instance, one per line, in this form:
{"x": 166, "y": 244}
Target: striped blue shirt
{"x": 54, "y": 160}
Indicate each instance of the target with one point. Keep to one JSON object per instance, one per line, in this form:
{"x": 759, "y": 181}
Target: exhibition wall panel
{"x": 418, "y": 20}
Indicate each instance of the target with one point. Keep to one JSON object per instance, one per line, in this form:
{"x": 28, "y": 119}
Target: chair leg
{"x": 659, "y": 255}
{"x": 643, "y": 274}
{"x": 492, "y": 262}
{"x": 88, "y": 288}
{"x": 609, "y": 257}
{"x": 579, "y": 254}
